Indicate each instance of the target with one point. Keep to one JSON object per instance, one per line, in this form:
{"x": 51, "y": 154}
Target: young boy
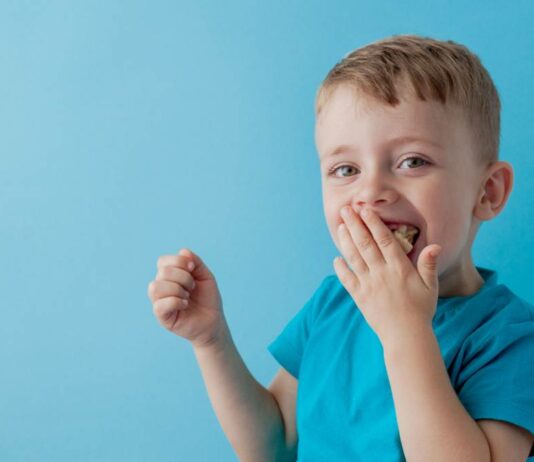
{"x": 409, "y": 351}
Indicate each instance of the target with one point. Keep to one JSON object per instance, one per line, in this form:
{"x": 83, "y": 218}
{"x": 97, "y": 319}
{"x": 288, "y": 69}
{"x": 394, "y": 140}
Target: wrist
{"x": 399, "y": 338}
{"x": 216, "y": 343}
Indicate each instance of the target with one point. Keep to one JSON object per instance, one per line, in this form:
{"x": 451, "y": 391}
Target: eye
{"x": 415, "y": 158}
{"x": 422, "y": 163}
{"x": 335, "y": 169}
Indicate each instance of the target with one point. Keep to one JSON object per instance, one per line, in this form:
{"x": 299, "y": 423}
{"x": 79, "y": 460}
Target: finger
{"x": 427, "y": 265}
{"x": 386, "y": 242}
{"x": 364, "y": 239}
{"x": 201, "y": 271}
{"x": 161, "y": 289}
{"x": 167, "y": 307}
{"x": 361, "y": 237}
{"x": 349, "y": 279}
{"x": 178, "y": 261}
{"x": 178, "y": 275}
{"x": 349, "y": 250}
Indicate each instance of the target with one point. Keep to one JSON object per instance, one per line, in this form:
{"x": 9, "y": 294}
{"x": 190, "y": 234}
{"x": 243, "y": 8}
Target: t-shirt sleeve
{"x": 497, "y": 380}
{"x": 288, "y": 347}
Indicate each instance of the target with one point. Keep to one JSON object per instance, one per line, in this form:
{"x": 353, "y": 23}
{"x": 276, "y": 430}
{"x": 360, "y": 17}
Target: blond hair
{"x": 443, "y": 71}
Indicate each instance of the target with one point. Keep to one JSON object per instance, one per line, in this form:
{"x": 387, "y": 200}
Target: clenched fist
{"x": 186, "y": 299}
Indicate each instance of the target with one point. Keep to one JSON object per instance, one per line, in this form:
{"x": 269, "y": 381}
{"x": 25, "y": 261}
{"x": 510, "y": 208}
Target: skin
{"x": 447, "y": 198}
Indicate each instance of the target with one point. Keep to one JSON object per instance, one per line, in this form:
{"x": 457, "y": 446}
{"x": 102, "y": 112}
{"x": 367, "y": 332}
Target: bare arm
{"x": 248, "y": 412}
{"x": 433, "y": 423}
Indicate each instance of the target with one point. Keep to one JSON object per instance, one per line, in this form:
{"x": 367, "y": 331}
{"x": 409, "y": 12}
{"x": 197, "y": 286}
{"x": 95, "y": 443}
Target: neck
{"x": 462, "y": 279}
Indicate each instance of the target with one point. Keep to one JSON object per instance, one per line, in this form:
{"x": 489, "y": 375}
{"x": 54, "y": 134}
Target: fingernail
{"x": 190, "y": 265}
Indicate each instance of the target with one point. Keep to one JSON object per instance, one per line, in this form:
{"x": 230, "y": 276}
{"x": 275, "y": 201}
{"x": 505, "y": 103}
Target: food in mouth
{"x": 406, "y": 235}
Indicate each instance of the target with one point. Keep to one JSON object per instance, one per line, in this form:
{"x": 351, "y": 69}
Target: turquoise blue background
{"x": 131, "y": 129}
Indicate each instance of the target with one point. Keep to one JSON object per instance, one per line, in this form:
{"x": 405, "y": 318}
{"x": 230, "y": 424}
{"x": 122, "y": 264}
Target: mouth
{"x": 407, "y": 235}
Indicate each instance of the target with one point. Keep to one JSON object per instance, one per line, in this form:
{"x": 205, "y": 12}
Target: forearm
{"x": 433, "y": 423}
{"x": 247, "y": 411}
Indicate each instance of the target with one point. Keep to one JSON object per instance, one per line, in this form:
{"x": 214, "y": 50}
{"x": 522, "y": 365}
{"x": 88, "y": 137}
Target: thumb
{"x": 200, "y": 271}
{"x": 427, "y": 264}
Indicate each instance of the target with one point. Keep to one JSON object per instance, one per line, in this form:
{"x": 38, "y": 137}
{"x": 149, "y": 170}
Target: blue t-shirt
{"x": 345, "y": 409}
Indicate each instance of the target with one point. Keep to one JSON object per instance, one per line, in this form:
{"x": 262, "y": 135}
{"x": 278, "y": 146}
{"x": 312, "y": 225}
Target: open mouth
{"x": 406, "y": 234}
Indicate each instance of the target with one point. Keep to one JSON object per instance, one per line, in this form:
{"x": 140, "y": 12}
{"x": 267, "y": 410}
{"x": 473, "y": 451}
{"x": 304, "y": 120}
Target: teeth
{"x": 405, "y": 234}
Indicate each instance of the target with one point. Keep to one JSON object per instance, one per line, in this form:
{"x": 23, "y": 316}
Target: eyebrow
{"x": 399, "y": 140}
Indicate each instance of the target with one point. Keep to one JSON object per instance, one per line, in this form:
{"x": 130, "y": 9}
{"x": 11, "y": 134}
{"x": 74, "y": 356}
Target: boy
{"x": 410, "y": 351}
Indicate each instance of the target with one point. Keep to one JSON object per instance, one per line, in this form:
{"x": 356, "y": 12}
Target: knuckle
{"x": 384, "y": 241}
{"x": 166, "y": 272}
{"x": 150, "y": 293}
{"x": 352, "y": 286}
{"x": 351, "y": 257}
{"x": 404, "y": 271}
{"x": 365, "y": 243}
{"x": 152, "y": 290}
{"x": 174, "y": 303}
{"x": 158, "y": 307}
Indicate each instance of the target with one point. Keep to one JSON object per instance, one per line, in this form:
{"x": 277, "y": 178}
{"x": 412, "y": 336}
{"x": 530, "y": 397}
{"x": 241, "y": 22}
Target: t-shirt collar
{"x": 490, "y": 280}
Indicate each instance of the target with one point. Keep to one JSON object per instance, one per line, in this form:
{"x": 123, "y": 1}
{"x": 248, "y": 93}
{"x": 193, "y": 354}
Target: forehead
{"x": 349, "y": 118}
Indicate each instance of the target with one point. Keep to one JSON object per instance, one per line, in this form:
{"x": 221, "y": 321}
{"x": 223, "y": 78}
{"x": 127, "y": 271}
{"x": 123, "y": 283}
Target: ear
{"x": 495, "y": 189}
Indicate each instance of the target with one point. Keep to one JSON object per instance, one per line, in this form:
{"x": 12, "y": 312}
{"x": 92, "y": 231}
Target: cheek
{"x": 331, "y": 210}
{"x": 443, "y": 219}
{"x": 333, "y": 224}
{"x": 448, "y": 227}
{"x": 333, "y": 220}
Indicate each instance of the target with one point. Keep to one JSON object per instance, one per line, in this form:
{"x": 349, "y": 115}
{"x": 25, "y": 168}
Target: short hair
{"x": 443, "y": 71}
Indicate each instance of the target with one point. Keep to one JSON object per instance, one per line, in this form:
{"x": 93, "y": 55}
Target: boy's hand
{"x": 186, "y": 299}
{"x": 392, "y": 295}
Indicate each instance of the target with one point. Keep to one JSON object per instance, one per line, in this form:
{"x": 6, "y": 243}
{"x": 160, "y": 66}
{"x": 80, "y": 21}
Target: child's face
{"x": 438, "y": 196}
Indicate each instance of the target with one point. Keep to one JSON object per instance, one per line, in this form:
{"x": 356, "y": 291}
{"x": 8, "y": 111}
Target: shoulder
{"x": 507, "y": 319}
{"x": 329, "y": 288}
{"x": 500, "y": 313}
{"x": 330, "y": 291}
{"x": 495, "y": 338}
{"x": 511, "y": 306}
{"x": 332, "y": 285}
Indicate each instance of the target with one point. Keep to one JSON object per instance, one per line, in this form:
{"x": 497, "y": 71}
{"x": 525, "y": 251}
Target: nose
{"x": 374, "y": 192}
